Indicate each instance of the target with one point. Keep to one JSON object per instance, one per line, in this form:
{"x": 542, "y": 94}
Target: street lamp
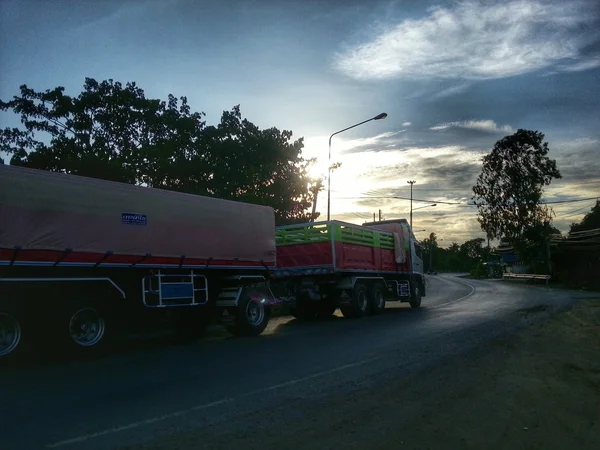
{"x": 411, "y": 210}
{"x": 377, "y": 117}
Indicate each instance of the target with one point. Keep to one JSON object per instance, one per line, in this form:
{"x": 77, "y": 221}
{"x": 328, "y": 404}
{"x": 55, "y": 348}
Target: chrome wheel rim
{"x": 10, "y": 334}
{"x": 87, "y": 327}
{"x": 255, "y": 313}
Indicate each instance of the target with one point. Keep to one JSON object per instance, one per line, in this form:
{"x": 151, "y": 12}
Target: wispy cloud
{"x": 406, "y": 124}
{"x": 450, "y": 91}
{"x": 578, "y": 161}
{"x": 582, "y": 65}
{"x": 478, "y": 40}
{"x": 487, "y": 126}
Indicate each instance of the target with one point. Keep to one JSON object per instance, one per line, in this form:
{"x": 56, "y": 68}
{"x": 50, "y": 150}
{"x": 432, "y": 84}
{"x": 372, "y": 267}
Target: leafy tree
{"x": 259, "y": 166}
{"x": 591, "y": 220}
{"x": 113, "y": 131}
{"x": 103, "y": 133}
{"x": 509, "y": 190}
{"x": 429, "y": 246}
{"x": 473, "y": 249}
{"x": 461, "y": 258}
{"x": 454, "y": 247}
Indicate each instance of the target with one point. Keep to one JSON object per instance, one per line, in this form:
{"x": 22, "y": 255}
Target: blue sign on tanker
{"x": 134, "y": 219}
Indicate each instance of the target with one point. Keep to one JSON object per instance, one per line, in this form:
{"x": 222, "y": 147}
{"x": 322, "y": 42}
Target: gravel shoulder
{"x": 539, "y": 388}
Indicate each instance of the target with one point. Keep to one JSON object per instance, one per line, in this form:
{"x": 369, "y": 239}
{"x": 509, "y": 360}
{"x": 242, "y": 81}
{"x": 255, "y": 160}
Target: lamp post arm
{"x": 346, "y": 129}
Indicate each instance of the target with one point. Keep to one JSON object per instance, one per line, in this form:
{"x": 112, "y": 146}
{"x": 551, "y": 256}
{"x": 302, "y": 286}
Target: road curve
{"x": 135, "y": 398}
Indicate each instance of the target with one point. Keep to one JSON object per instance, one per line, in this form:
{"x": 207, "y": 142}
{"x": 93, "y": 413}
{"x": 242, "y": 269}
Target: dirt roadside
{"x": 539, "y": 389}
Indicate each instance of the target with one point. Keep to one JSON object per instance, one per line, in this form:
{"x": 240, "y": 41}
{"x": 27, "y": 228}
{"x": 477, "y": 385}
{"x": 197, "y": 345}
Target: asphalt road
{"x": 138, "y": 397}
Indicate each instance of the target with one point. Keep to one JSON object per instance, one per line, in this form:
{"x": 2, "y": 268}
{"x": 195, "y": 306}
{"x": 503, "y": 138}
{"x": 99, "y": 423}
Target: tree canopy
{"x": 591, "y": 221}
{"x": 509, "y": 190}
{"x": 113, "y": 131}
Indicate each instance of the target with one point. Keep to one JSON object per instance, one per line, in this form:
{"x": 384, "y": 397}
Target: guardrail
{"x": 525, "y": 277}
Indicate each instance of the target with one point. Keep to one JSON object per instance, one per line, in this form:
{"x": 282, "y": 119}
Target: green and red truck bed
{"x": 331, "y": 247}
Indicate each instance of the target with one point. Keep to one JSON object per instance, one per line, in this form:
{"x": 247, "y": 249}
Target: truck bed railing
{"x": 310, "y": 233}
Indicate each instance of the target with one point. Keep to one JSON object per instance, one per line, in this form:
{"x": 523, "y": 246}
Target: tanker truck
{"x": 328, "y": 265}
{"x": 81, "y": 258}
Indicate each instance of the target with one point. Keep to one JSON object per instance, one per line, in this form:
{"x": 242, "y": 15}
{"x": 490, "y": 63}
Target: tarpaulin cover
{"x": 41, "y": 210}
{"x": 401, "y": 232}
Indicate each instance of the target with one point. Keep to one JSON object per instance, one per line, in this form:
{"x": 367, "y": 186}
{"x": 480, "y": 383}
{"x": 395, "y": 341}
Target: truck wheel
{"x": 359, "y": 305}
{"x": 377, "y": 298}
{"x": 87, "y": 327}
{"x": 251, "y": 316}
{"x": 10, "y": 334}
{"x": 415, "y": 301}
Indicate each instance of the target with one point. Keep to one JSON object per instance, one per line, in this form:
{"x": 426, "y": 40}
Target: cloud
{"x": 478, "y": 40}
{"x": 583, "y": 65}
{"x": 373, "y": 141}
{"x": 406, "y": 124}
{"x": 450, "y": 91}
{"x": 578, "y": 162}
{"x": 487, "y": 126}
{"x": 445, "y": 173}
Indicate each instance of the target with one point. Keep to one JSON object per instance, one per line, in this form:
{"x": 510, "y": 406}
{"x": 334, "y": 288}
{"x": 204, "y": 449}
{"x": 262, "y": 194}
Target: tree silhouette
{"x": 509, "y": 190}
{"x": 590, "y": 221}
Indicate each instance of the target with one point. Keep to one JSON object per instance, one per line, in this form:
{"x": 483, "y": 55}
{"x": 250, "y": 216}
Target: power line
{"x": 555, "y": 202}
{"x": 574, "y": 212}
{"x": 402, "y": 198}
{"x": 572, "y": 200}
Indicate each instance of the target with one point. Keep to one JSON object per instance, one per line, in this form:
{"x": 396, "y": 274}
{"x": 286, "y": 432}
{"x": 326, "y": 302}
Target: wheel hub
{"x": 255, "y": 313}
{"x": 87, "y": 327}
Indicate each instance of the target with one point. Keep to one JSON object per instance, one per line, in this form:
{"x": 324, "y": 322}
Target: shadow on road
{"x": 391, "y": 313}
{"x": 280, "y": 326}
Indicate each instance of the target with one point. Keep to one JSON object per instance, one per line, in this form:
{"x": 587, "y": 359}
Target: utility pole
{"x": 380, "y": 215}
{"x": 411, "y": 186}
{"x": 373, "y": 217}
{"x": 315, "y": 191}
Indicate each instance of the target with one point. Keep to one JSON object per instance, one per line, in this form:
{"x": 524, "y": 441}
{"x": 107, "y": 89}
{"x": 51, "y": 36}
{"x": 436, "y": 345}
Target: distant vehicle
{"x": 432, "y": 272}
{"x": 326, "y": 265}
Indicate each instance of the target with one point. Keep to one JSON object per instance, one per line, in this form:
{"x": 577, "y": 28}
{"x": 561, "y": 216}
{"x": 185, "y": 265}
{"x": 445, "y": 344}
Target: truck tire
{"x": 251, "y": 315}
{"x": 377, "y": 298}
{"x": 10, "y": 335}
{"x": 86, "y": 328}
{"x": 415, "y": 299}
{"x": 359, "y": 305}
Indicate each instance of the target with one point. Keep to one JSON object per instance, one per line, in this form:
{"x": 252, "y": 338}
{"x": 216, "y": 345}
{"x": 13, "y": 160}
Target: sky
{"x": 454, "y": 77}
